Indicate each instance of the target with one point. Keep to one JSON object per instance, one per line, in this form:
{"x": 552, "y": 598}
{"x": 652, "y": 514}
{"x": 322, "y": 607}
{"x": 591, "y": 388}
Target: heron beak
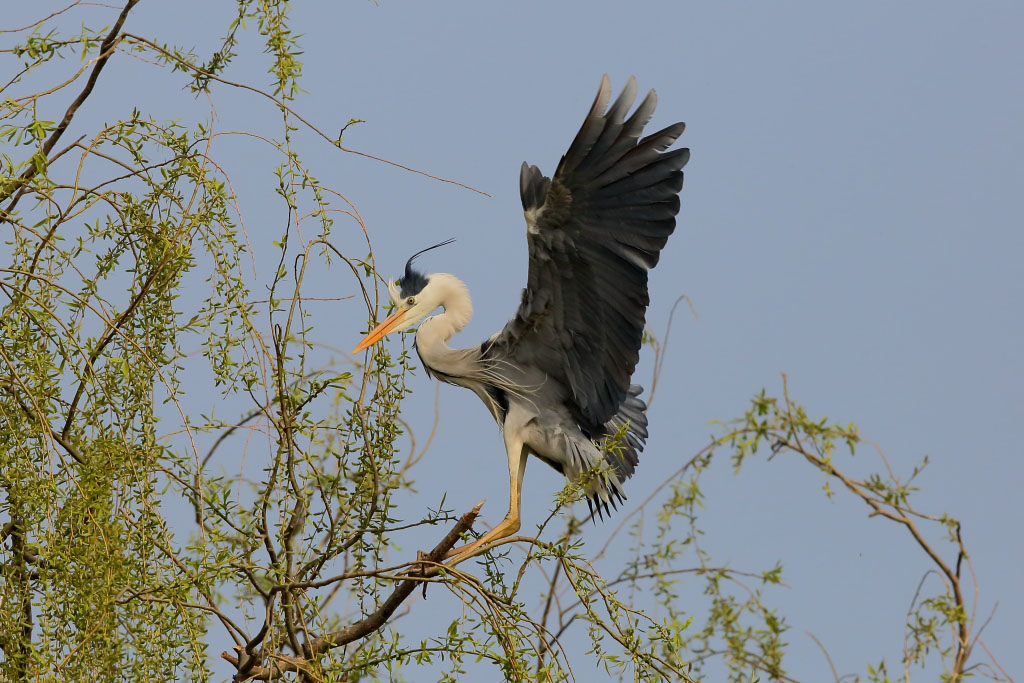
{"x": 381, "y": 330}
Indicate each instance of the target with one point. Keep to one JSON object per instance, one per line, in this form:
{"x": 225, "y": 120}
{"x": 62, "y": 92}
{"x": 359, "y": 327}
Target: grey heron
{"x": 557, "y": 378}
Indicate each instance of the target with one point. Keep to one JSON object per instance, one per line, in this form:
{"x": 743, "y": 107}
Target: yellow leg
{"x": 509, "y": 525}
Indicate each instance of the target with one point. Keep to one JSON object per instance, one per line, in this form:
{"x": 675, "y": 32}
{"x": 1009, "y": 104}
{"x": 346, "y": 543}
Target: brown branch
{"x": 248, "y": 668}
{"x": 71, "y": 449}
{"x": 113, "y": 329}
{"x": 106, "y": 49}
{"x": 21, "y": 578}
{"x": 284, "y": 107}
{"x": 884, "y": 508}
{"x": 828, "y": 657}
{"x": 661, "y": 349}
{"x": 49, "y": 16}
{"x": 544, "y": 645}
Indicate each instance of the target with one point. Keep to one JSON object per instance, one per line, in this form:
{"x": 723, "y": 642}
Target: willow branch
{"x": 106, "y": 49}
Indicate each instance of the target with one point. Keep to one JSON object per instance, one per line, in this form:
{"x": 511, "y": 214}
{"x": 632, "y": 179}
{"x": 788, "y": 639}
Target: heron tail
{"x": 623, "y": 441}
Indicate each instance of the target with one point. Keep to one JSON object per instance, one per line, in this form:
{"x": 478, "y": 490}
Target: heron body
{"x": 557, "y": 377}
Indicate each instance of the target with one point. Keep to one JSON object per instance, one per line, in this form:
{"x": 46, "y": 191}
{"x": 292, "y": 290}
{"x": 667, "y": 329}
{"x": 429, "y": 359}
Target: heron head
{"x": 414, "y": 299}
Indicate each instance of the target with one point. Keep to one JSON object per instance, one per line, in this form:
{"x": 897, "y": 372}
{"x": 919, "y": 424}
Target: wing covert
{"x": 593, "y": 232}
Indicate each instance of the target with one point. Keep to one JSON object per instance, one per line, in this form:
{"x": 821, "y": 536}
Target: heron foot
{"x": 503, "y": 529}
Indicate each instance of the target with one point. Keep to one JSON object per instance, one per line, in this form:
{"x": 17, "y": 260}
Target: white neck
{"x": 452, "y": 295}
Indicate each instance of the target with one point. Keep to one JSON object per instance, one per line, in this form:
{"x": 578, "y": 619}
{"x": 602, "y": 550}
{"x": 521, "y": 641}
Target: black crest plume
{"x": 414, "y": 281}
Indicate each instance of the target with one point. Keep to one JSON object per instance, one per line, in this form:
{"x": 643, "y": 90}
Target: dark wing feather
{"x": 593, "y": 231}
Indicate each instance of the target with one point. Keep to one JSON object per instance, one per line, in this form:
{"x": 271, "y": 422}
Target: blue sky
{"x": 851, "y": 217}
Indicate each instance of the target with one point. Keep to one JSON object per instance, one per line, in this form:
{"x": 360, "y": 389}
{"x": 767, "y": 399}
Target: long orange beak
{"x": 381, "y": 330}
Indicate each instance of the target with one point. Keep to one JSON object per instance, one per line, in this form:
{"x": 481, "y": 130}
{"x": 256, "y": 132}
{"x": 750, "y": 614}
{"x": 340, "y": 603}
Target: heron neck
{"x": 453, "y": 297}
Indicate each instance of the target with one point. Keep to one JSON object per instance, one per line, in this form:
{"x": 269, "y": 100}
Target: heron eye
{"x": 411, "y": 300}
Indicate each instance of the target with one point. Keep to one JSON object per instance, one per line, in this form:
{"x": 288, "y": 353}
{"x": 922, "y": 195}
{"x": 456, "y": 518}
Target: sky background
{"x": 851, "y": 217}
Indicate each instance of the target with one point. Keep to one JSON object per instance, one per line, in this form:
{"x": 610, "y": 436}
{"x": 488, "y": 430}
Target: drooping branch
{"x": 19, "y": 648}
{"x": 106, "y": 49}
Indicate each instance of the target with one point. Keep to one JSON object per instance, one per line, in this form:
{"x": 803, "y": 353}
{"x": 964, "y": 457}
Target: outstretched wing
{"x": 593, "y": 231}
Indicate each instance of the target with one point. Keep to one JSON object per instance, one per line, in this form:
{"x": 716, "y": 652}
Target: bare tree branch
{"x": 247, "y": 665}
